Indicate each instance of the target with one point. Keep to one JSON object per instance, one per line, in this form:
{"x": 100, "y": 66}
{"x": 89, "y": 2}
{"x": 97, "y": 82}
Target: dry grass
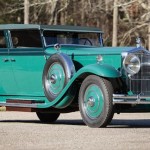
{"x": 2, "y": 108}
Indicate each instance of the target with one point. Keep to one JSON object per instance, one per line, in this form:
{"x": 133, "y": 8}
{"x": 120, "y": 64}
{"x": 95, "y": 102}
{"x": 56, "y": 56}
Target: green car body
{"x": 59, "y": 69}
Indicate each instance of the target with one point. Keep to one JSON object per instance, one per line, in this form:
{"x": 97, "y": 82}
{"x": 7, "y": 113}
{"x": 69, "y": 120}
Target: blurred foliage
{"x": 133, "y": 15}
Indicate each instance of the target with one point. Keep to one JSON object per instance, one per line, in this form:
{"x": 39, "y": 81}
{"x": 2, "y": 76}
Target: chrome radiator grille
{"x": 140, "y": 82}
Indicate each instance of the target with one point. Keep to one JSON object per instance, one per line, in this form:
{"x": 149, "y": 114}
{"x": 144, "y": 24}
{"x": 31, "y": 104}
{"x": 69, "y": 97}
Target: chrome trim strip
{"x": 19, "y": 105}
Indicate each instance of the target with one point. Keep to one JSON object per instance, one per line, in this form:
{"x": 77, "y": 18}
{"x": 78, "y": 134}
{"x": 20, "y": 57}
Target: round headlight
{"x": 131, "y": 64}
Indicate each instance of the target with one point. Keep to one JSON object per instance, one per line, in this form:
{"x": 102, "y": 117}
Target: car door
{"x": 8, "y": 84}
{"x": 27, "y": 57}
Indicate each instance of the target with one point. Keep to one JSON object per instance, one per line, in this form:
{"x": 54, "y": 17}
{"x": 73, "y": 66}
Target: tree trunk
{"x": 62, "y": 14}
{"x": 83, "y": 12}
{"x": 106, "y": 5}
{"x": 149, "y": 36}
{"x": 52, "y": 11}
{"x": 149, "y": 27}
{"x": 115, "y": 22}
{"x": 26, "y": 11}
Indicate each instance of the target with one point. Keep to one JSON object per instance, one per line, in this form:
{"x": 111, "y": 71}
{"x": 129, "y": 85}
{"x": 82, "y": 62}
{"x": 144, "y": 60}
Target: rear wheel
{"x": 47, "y": 117}
{"x": 95, "y": 101}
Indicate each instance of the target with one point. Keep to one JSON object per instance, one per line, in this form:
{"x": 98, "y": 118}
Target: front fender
{"x": 97, "y": 69}
{"x": 103, "y": 70}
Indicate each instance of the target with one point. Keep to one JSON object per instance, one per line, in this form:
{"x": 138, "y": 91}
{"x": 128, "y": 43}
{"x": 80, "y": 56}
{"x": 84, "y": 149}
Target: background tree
{"x": 132, "y": 16}
{"x": 149, "y": 25}
{"x": 115, "y": 22}
{"x": 26, "y": 11}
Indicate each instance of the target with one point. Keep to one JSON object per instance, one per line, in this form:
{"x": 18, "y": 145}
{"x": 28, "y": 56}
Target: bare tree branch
{"x": 127, "y": 35}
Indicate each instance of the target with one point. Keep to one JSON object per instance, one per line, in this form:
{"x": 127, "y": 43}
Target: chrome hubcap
{"x": 91, "y": 101}
{"x": 53, "y": 79}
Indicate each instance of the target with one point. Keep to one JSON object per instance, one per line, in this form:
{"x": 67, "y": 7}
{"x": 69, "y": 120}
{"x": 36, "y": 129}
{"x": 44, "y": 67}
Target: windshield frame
{"x": 99, "y": 38}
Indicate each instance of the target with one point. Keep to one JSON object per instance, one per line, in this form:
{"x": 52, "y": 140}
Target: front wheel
{"x": 47, "y": 117}
{"x": 95, "y": 101}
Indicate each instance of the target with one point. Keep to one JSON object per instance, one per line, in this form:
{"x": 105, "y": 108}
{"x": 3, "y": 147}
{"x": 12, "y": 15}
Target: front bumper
{"x": 134, "y": 99}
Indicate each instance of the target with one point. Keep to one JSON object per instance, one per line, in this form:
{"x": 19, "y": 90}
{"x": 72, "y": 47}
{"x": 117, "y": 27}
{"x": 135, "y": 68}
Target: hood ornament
{"x": 138, "y": 42}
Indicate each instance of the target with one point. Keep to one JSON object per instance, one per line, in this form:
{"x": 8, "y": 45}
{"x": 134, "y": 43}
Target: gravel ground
{"x": 23, "y": 131}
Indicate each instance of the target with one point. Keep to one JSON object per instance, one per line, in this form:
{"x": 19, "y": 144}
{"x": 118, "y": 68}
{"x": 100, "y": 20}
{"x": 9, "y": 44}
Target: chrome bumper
{"x": 126, "y": 99}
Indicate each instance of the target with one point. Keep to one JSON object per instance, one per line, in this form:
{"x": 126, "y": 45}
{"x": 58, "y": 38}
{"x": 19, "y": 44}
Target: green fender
{"x": 103, "y": 70}
{"x": 98, "y": 69}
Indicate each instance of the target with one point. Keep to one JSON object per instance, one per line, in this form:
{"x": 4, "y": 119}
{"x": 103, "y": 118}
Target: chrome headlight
{"x": 131, "y": 64}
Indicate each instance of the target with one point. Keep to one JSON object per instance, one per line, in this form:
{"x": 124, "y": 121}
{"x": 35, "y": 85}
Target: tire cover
{"x": 58, "y": 70}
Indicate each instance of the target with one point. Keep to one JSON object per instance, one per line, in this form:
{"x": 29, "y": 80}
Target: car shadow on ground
{"x": 19, "y": 121}
{"x": 115, "y": 123}
{"x": 61, "y": 122}
{"x": 130, "y": 123}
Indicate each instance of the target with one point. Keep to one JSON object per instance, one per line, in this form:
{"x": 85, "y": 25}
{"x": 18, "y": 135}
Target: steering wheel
{"x": 86, "y": 40}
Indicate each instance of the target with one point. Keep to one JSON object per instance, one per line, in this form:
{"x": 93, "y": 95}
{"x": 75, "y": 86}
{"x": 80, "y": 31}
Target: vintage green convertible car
{"x": 59, "y": 69}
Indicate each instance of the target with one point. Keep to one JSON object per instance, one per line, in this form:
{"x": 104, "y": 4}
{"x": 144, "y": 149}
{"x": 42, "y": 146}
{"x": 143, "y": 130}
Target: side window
{"x": 26, "y": 38}
{"x": 2, "y": 40}
{"x": 53, "y": 37}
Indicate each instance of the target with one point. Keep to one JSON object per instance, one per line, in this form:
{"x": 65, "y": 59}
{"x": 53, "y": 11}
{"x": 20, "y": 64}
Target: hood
{"x": 99, "y": 50}
{"x": 82, "y": 50}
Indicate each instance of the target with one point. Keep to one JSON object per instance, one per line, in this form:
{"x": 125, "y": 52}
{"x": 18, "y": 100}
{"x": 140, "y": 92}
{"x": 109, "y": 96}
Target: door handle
{"x": 5, "y": 60}
{"x": 12, "y": 60}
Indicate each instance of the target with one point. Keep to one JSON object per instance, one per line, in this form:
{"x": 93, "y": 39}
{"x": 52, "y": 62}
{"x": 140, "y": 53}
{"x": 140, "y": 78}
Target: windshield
{"x": 71, "y": 38}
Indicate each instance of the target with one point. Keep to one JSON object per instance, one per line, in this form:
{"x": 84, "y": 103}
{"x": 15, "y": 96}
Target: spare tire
{"x": 58, "y": 70}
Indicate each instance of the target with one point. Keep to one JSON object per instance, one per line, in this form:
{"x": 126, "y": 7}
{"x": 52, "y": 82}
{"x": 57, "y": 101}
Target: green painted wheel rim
{"x": 55, "y": 78}
{"x": 93, "y": 101}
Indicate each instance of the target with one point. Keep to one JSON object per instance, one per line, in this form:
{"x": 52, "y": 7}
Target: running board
{"x": 125, "y": 99}
{"x": 21, "y": 105}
